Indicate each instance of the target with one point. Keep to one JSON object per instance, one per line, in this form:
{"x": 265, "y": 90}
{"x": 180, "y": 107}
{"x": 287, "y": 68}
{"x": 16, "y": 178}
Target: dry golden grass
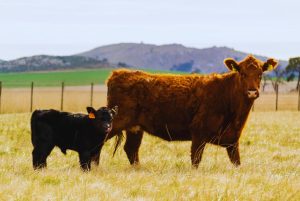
{"x": 270, "y": 147}
{"x": 286, "y": 101}
{"x": 77, "y": 98}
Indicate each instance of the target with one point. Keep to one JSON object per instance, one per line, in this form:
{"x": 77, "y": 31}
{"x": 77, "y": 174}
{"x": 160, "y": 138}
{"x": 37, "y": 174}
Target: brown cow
{"x": 202, "y": 108}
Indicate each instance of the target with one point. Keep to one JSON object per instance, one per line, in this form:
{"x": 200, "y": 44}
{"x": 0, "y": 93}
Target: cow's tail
{"x": 33, "y": 125}
{"x": 118, "y": 141}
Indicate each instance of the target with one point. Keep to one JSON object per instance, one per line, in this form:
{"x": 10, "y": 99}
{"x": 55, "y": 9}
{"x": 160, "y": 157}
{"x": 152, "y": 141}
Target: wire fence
{"x": 77, "y": 98}
{"x": 64, "y": 97}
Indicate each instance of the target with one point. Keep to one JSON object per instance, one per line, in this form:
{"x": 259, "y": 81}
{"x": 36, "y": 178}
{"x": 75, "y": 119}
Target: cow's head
{"x": 102, "y": 117}
{"x": 250, "y": 72}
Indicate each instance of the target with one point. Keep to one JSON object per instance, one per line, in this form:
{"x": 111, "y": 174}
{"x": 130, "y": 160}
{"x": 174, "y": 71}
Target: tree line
{"x": 281, "y": 74}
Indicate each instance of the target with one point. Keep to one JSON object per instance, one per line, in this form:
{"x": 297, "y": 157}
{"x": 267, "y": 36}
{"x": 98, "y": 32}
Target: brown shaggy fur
{"x": 202, "y": 108}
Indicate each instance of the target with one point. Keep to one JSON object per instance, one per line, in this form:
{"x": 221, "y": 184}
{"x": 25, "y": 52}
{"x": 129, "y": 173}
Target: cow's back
{"x": 158, "y": 103}
{"x": 52, "y": 125}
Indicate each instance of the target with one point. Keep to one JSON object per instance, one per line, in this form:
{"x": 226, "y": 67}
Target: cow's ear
{"x": 115, "y": 110}
{"x": 91, "y": 112}
{"x": 231, "y": 64}
{"x": 270, "y": 64}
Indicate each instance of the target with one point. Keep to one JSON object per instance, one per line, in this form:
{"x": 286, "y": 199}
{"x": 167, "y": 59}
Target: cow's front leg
{"x": 85, "y": 161}
{"x": 197, "y": 149}
{"x": 96, "y": 158}
{"x": 132, "y": 145}
{"x": 233, "y": 153}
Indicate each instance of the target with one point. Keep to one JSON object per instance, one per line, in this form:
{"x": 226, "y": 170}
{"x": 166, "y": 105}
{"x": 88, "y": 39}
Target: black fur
{"x": 85, "y": 134}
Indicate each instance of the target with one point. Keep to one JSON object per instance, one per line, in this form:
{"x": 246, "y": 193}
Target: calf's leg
{"x": 132, "y": 145}
{"x": 85, "y": 161}
{"x": 96, "y": 156}
{"x": 233, "y": 153}
{"x": 40, "y": 154}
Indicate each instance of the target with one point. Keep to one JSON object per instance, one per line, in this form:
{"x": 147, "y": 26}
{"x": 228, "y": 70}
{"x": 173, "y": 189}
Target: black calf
{"x": 85, "y": 134}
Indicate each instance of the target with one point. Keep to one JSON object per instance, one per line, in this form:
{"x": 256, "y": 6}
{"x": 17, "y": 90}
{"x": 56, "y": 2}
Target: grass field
{"x": 270, "y": 170}
{"x": 74, "y": 78}
{"x": 55, "y": 78}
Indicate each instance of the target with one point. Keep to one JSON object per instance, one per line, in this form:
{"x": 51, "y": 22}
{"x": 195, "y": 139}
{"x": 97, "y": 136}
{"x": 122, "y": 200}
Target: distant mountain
{"x": 45, "y": 62}
{"x": 168, "y": 57}
{"x": 173, "y": 57}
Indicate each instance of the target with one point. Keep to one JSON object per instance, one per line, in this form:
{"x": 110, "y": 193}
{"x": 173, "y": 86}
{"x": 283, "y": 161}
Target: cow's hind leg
{"x": 133, "y": 141}
{"x": 233, "y": 153}
{"x": 197, "y": 151}
{"x": 85, "y": 161}
{"x": 40, "y": 154}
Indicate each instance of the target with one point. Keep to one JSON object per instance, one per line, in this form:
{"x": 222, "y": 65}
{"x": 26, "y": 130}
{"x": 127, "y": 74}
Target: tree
{"x": 122, "y": 65}
{"x": 277, "y": 77}
{"x": 184, "y": 67}
{"x": 197, "y": 71}
{"x": 265, "y": 79}
{"x": 293, "y": 69}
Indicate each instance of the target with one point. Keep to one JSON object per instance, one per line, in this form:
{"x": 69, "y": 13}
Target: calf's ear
{"x": 270, "y": 64}
{"x": 231, "y": 64}
{"x": 91, "y": 111}
{"x": 115, "y": 110}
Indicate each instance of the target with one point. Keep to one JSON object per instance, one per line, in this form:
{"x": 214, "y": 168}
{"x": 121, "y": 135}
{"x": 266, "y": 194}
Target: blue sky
{"x": 64, "y": 27}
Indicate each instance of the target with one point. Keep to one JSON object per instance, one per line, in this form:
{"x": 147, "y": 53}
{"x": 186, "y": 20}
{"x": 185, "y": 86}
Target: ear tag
{"x": 91, "y": 116}
{"x": 270, "y": 67}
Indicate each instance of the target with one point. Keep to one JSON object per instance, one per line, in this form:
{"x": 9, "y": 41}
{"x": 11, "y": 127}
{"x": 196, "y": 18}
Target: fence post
{"x": 276, "y": 90}
{"x": 62, "y": 96}
{"x": 298, "y": 98}
{"x": 0, "y": 94}
{"x": 31, "y": 97}
{"x": 92, "y": 93}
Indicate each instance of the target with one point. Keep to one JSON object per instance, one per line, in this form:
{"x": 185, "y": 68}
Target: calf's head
{"x": 250, "y": 72}
{"x": 102, "y": 117}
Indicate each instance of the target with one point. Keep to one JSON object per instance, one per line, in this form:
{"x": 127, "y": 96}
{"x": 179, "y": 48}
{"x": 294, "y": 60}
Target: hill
{"x": 174, "y": 57}
{"x": 46, "y": 63}
{"x": 168, "y": 57}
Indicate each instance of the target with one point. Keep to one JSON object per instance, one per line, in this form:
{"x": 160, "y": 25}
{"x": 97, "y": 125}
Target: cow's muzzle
{"x": 107, "y": 127}
{"x": 253, "y": 94}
